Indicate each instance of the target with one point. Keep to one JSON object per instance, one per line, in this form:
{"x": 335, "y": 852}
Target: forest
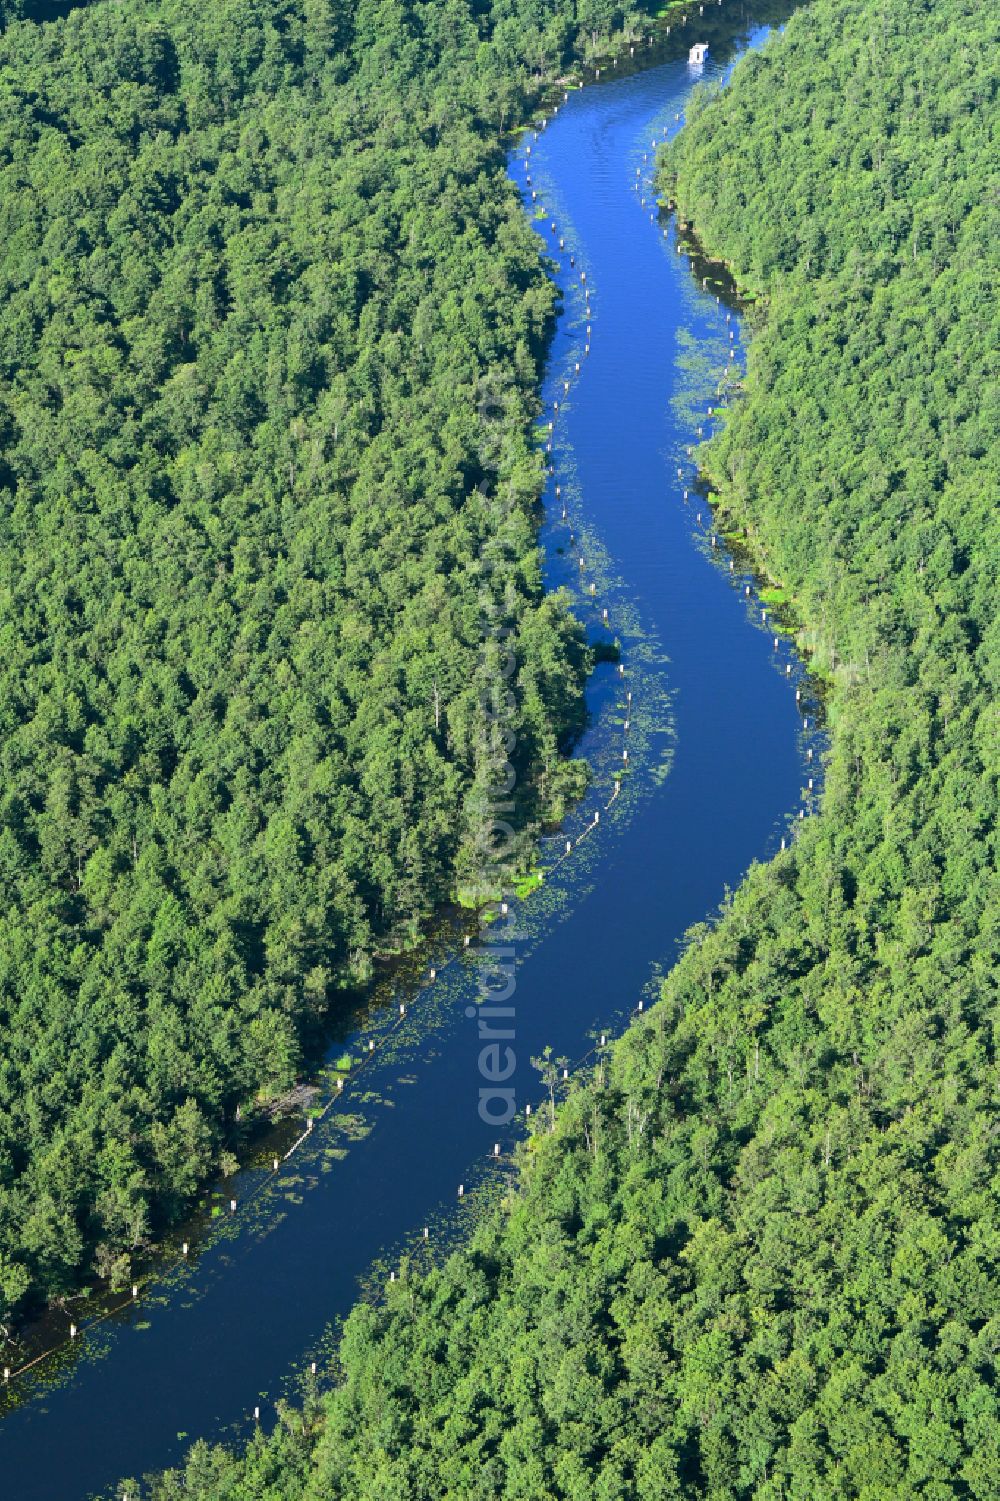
{"x": 271, "y": 332}
{"x": 758, "y": 1253}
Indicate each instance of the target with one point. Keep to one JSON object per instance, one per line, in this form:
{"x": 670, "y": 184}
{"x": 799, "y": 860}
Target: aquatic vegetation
{"x": 757, "y": 1255}
{"x": 242, "y": 555}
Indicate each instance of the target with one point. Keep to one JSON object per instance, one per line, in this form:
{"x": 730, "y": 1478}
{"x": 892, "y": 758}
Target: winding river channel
{"x": 715, "y": 776}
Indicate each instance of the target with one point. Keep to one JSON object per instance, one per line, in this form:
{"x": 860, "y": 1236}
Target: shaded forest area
{"x": 758, "y": 1255}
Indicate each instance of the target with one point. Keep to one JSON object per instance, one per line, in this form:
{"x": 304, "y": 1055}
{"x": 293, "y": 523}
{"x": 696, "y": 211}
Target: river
{"x": 715, "y": 775}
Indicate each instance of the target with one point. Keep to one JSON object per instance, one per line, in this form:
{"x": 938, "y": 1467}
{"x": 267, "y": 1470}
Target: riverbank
{"x": 266, "y": 775}
{"x": 259, "y": 1297}
{"x": 161, "y": 1207}
{"x": 755, "y": 1258}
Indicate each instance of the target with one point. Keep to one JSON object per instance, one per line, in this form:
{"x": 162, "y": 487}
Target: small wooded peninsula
{"x": 273, "y": 324}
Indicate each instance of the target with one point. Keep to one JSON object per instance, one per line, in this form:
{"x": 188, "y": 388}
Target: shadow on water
{"x": 715, "y": 770}
{"x": 41, "y": 11}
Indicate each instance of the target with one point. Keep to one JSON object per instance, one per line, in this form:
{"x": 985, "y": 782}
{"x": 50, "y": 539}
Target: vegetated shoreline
{"x": 255, "y": 1135}
{"x": 268, "y": 1124}
{"x": 757, "y": 1256}
{"x": 752, "y": 306}
{"x": 268, "y": 1129}
{"x": 94, "y": 18}
{"x": 305, "y": 1422}
{"x": 265, "y": 1124}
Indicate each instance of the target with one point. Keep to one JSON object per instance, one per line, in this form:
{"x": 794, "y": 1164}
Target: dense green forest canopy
{"x": 759, "y": 1254}
{"x": 271, "y": 324}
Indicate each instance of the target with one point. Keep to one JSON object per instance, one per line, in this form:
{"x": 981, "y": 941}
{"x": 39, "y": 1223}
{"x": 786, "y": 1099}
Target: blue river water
{"x": 715, "y": 775}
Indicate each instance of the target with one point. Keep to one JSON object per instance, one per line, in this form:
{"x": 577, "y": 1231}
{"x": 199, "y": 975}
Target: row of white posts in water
{"x": 495, "y": 1155}
{"x": 747, "y": 591}
{"x": 550, "y": 429}
{"x": 185, "y": 1248}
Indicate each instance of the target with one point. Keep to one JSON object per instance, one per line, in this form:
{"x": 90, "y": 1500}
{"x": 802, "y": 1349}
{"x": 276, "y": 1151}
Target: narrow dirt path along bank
{"x": 697, "y": 722}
